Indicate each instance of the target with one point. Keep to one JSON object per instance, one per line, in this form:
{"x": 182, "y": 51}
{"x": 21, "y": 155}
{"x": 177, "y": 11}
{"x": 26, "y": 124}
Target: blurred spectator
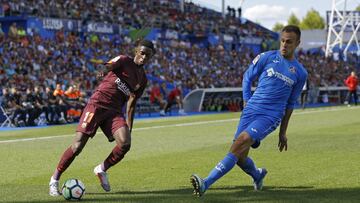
{"x": 157, "y": 97}
{"x": 31, "y": 108}
{"x": 13, "y": 31}
{"x": 1, "y": 31}
{"x": 218, "y": 103}
{"x": 304, "y": 94}
{"x": 74, "y": 102}
{"x": 234, "y": 105}
{"x": 14, "y": 105}
{"x": 6, "y": 8}
{"x": 61, "y": 103}
{"x": 352, "y": 83}
{"x": 39, "y": 97}
{"x": 175, "y": 97}
{"x": 60, "y": 36}
{"x": 21, "y": 32}
{"x": 52, "y": 111}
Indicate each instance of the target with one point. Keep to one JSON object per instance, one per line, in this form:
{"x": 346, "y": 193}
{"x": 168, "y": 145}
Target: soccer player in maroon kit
{"x": 123, "y": 85}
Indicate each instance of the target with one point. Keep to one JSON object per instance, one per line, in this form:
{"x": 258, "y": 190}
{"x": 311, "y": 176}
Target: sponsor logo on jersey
{"x": 271, "y": 72}
{"x": 276, "y": 61}
{"x": 83, "y": 125}
{"x": 254, "y": 130}
{"x": 122, "y": 86}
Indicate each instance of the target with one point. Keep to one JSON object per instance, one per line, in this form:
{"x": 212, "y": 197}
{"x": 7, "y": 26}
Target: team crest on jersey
{"x": 292, "y": 69}
{"x": 276, "y": 61}
{"x": 83, "y": 125}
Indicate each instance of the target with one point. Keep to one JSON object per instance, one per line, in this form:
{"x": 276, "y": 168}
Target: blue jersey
{"x": 279, "y": 86}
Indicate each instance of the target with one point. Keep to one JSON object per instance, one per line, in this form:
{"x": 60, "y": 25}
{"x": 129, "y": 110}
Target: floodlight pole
{"x": 223, "y": 8}
{"x": 339, "y": 21}
{"x": 182, "y": 5}
{"x": 355, "y": 29}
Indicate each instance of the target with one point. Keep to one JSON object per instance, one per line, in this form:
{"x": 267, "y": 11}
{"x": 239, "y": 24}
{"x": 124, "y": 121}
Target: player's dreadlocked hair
{"x": 148, "y": 44}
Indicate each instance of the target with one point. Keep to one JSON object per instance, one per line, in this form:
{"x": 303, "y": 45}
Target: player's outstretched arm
{"x": 130, "y": 111}
{"x": 103, "y": 69}
{"x": 289, "y": 109}
{"x": 283, "y": 127}
{"x": 254, "y": 70}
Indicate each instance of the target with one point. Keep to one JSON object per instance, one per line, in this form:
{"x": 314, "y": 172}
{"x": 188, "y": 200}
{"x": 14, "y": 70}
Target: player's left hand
{"x": 282, "y": 143}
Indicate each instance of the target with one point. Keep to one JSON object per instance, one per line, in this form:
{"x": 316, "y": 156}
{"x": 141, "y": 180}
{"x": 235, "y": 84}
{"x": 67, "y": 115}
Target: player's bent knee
{"x": 241, "y": 146}
{"x": 79, "y": 143}
{"x": 77, "y": 148}
{"x": 125, "y": 147}
{"x": 244, "y": 138}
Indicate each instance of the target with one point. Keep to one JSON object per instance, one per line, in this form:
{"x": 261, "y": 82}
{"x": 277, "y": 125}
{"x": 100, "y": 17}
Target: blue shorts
{"x": 257, "y": 125}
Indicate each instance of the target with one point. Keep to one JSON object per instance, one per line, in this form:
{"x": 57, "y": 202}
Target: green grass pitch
{"x": 322, "y": 163}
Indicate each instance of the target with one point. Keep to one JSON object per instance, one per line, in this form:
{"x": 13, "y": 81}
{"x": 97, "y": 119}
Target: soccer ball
{"x": 73, "y": 189}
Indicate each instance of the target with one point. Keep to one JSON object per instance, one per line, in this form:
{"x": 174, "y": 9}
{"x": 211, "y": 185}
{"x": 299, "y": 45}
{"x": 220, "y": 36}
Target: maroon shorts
{"x": 94, "y": 117}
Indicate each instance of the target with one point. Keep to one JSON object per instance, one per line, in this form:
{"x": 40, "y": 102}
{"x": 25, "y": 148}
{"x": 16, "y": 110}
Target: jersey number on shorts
{"x": 88, "y": 117}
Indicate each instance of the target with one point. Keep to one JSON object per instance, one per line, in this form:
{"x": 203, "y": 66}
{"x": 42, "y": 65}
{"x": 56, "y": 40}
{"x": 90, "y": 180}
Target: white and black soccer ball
{"x": 73, "y": 189}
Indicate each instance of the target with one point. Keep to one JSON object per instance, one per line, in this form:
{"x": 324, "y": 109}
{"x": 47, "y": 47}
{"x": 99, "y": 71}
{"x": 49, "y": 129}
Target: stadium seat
{"x": 7, "y": 122}
{"x": 41, "y": 120}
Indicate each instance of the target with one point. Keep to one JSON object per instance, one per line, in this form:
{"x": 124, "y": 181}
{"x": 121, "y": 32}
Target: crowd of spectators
{"x": 324, "y": 72}
{"x": 197, "y": 67}
{"x": 32, "y": 61}
{"x": 216, "y": 67}
{"x": 218, "y": 104}
{"x": 139, "y": 14}
{"x": 58, "y": 106}
{"x": 29, "y": 62}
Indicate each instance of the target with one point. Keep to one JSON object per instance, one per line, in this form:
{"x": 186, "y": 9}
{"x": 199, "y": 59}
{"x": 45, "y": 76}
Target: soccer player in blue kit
{"x": 280, "y": 81}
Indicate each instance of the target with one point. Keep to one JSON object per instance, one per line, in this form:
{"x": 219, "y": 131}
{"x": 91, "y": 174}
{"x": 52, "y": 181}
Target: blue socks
{"x": 221, "y": 169}
{"x": 250, "y": 168}
{"x": 226, "y": 165}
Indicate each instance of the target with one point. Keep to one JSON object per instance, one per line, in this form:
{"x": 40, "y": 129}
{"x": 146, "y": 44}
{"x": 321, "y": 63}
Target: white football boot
{"x": 102, "y": 175}
{"x": 54, "y": 187}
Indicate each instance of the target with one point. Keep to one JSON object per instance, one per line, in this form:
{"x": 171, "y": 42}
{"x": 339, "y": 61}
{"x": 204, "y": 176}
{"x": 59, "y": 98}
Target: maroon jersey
{"x": 124, "y": 80}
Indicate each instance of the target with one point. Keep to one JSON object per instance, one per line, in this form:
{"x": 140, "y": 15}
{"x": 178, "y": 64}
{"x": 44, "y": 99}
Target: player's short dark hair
{"x": 292, "y": 28}
{"x": 148, "y": 44}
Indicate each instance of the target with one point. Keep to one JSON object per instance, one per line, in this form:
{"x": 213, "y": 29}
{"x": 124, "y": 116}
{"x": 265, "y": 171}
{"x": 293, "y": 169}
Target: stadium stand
{"x": 214, "y": 52}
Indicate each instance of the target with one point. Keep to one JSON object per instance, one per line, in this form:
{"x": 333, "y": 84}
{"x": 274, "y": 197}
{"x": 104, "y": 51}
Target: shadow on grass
{"x": 226, "y": 194}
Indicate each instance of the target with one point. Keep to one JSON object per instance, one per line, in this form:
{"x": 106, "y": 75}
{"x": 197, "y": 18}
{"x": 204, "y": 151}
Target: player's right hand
{"x": 282, "y": 143}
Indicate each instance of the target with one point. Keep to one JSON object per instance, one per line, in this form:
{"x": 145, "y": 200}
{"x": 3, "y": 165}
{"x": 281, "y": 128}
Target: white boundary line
{"x": 174, "y": 125}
